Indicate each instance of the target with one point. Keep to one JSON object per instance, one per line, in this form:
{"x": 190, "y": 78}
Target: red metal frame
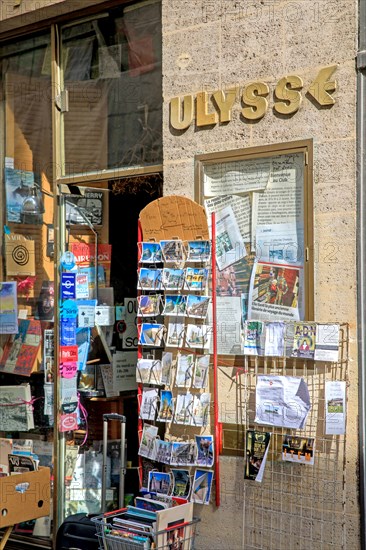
{"x": 139, "y": 356}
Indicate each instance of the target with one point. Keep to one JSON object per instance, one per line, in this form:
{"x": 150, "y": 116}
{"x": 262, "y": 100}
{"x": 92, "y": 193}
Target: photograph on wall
{"x": 298, "y": 450}
{"x": 163, "y": 451}
{"x": 18, "y": 185}
{"x": 166, "y": 372}
{"x": 149, "y": 279}
{"x": 199, "y": 251}
{"x": 201, "y": 409}
{"x": 304, "y": 340}
{"x": 205, "y": 450}
{"x": 183, "y": 453}
{"x": 172, "y": 279}
{"x": 148, "y": 305}
{"x": 175, "y": 336}
{"x": 196, "y": 278}
{"x": 149, "y": 403}
{"x": 256, "y": 445}
{"x": 235, "y": 279}
{"x": 159, "y": 482}
{"x": 151, "y": 334}
{"x": 173, "y": 251}
{"x": 8, "y": 308}
{"x": 175, "y": 305}
{"x": 326, "y": 342}
{"x": 201, "y": 372}
{"x": 184, "y": 371}
{"x": 198, "y": 336}
{"x": 275, "y": 293}
{"x": 166, "y": 409}
{"x": 147, "y": 444}
{"x": 201, "y": 488}
{"x": 183, "y": 409}
{"x": 181, "y": 483}
{"x": 150, "y": 253}
{"x": 197, "y": 306}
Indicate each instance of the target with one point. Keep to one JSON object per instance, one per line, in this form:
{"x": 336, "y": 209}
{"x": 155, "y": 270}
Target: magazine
{"x": 304, "y": 340}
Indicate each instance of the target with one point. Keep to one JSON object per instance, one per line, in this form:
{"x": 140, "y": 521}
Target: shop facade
{"x": 207, "y": 89}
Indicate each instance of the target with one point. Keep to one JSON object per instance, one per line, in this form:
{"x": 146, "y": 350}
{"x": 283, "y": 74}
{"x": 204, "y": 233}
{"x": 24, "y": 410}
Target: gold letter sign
{"x": 207, "y": 109}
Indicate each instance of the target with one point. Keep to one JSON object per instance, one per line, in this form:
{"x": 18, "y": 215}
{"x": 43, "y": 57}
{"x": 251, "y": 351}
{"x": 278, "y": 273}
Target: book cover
{"x": 304, "y": 340}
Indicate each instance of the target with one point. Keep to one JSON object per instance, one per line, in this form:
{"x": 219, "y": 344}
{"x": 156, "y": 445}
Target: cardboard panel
{"x": 174, "y": 217}
{"x": 16, "y": 507}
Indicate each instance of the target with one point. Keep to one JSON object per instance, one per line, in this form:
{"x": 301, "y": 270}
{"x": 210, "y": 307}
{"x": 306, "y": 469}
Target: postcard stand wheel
{"x": 177, "y": 217}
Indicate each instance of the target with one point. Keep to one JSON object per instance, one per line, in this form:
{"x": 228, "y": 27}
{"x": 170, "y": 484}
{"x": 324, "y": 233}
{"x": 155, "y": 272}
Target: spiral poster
{"x": 20, "y": 258}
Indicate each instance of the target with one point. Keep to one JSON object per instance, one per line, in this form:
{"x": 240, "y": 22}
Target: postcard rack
{"x": 197, "y": 230}
{"x": 281, "y": 511}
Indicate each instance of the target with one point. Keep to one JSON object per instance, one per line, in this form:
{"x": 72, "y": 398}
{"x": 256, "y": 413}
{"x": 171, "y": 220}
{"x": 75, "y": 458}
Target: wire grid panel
{"x": 297, "y": 506}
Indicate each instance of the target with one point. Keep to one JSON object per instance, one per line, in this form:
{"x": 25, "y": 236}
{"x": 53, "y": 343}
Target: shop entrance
{"x": 127, "y": 197}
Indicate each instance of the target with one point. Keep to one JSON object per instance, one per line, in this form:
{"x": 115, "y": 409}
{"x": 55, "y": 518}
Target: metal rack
{"x": 297, "y": 506}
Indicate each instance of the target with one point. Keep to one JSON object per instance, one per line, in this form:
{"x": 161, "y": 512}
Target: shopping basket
{"x": 112, "y": 536}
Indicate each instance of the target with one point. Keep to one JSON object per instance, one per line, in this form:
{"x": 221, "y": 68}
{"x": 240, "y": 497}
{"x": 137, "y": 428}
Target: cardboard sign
{"x": 20, "y": 255}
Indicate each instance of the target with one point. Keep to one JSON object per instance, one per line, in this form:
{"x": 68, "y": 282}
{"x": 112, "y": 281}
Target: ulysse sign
{"x": 209, "y": 109}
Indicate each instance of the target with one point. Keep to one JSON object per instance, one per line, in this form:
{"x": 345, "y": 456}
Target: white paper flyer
{"x": 335, "y": 407}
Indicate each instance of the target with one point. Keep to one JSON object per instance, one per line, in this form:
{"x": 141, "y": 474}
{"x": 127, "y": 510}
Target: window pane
{"x": 112, "y": 71}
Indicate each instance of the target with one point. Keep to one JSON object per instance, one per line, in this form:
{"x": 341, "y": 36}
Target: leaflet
{"x": 335, "y": 407}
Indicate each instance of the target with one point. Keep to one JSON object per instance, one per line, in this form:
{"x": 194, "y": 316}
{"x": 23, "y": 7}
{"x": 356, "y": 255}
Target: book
{"x": 21, "y": 464}
{"x": 22, "y": 350}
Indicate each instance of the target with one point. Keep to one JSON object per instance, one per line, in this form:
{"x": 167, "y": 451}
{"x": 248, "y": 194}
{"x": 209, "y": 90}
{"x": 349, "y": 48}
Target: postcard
{"x": 183, "y": 453}
{"x": 175, "y": 305}
{"x": 148, "y": 306}
{"x": 184, "y": 374}
{"x": 197, "y": 306}
{"x": 149, "y": 279}
{"x": 159, "y": 482}
{"x": 199, "y": 251}
{"x": 149, "y": 402}
{"x": 198, "y": 336}
{"x": 166, "y": 360}
{"x": 326, "y": 343}
{"x": 201, "y": 409}
{"x": 181, "y": 483}
{"x": 8, "y": 308}
{"x": 335, "y": 407}
{"x": 282, "y": 401}
{"x": 163, "y": 451}
{"x": 148, "y": 371}
{"x": 254, "y": 334}
{"x": 304, "y": 340}
{"x": 173, "y": 251}
{"x": 205, "y": 450}
{"x": 274, "y": 344}
{"x": 257, "y": 445}
{"x": 175, "y": 335}
{"x": 298, "y": 450}
{"x": 166, "y": 409}
{"x": 183, "y": 409}
{"x": 147, "y": 444}
{"x": 200, "y": 377}
{"x": 150, "y": 253}
{"x": 196, "y": 278}
{"x": 151, "y": 334}
{"x": 201, "y": 489}
{"x": 172, "y": 279}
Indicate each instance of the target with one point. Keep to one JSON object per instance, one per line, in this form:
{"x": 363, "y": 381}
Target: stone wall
{"x": 221, "y": 44}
